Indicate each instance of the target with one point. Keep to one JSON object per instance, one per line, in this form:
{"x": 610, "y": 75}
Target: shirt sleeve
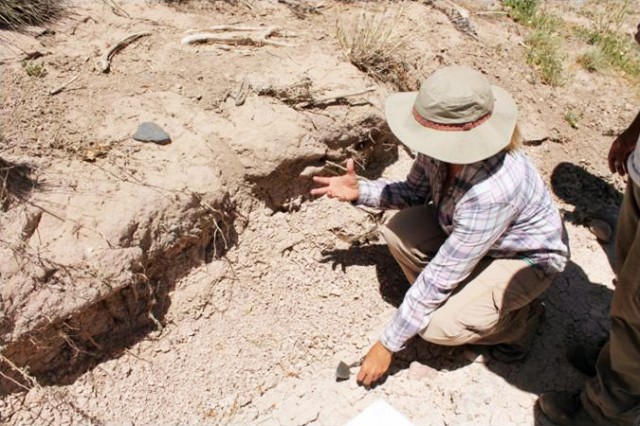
{"x": 385, "y": 194}
{"x": 476, "y": 228}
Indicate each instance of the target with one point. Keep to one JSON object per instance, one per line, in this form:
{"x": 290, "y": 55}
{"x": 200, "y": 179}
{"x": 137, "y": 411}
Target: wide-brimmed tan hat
{"x": 457, "y": 116}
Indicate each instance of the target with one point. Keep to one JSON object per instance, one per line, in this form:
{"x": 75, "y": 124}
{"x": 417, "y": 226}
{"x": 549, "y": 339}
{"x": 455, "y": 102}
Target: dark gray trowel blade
{"x": 343, "y": 372}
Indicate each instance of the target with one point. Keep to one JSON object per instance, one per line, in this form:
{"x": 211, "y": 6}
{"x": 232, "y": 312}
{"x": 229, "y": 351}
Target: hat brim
{"x": 459, "y": 146}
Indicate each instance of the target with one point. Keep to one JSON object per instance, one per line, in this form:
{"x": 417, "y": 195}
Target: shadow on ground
{"x": 576, "y": 312}
{"x": 592, "y": 198}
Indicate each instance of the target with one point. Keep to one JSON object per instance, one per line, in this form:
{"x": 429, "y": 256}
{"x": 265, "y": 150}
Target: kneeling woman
{"x": 478, "y": 235}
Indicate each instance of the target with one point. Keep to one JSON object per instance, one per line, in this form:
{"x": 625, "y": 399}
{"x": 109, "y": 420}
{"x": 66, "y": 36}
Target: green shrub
{"x": 522, "y": 10}
{"x": 545, "y": 55}
{"x": 34, "y": 69}
{"x": 592, "y": 60}
{"x": 544, "y": 45}
{"x": 612, "y": 48}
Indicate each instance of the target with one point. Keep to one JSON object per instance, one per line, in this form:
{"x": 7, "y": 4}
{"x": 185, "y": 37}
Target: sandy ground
{"x": 254, "y": 336}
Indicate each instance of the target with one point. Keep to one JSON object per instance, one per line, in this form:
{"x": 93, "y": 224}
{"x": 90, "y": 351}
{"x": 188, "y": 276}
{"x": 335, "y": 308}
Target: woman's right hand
{"x": 344, "y": 188}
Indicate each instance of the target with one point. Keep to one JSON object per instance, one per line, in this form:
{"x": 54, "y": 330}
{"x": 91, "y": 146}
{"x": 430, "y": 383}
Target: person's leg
{"x": 493, "y": 306}
{"x": 414, "y": 236}
{"x": 613, "y": 396}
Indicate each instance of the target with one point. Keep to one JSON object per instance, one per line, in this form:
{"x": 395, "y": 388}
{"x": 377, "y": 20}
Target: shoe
{"x": 509, "y": 354}
{"x": 584, "y": 357}
{"x": 564, "y": 408}
{"x": 514, "y": 352}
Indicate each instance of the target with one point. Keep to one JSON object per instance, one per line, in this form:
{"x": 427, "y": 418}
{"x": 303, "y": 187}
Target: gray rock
{"x": 151, "y": 132}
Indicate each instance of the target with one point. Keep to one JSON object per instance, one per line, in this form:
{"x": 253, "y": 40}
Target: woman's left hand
{"x": 375, "y": 365}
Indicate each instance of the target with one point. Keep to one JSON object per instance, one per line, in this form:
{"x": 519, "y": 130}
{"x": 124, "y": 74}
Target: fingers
{"x": 365, "y": 378}
{"x": 350, "y": 167}
{"x": 320, "y": 191}
{"x": 362, "y": 376}
{"x": 322, "y": 180}
{"x": 617, "y": 158}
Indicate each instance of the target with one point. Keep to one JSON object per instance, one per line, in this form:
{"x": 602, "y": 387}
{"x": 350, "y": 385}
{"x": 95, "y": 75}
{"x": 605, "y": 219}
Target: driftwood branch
{"x": 240, "y": 35}
{"x": 105, "y": 61}
{"x": 64, "y": 86}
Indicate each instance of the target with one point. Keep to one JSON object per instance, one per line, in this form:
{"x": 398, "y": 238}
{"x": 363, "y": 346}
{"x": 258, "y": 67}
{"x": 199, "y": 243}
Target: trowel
{"x": 343, "y": 371}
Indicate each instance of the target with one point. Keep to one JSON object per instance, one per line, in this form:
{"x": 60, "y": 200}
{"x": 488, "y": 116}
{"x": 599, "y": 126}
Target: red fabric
{"x": 450, "y": 127}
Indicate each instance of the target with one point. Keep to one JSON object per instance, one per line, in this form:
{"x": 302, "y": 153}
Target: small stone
{"x": 151, "y": 132}
{"x": 335, "y": 292}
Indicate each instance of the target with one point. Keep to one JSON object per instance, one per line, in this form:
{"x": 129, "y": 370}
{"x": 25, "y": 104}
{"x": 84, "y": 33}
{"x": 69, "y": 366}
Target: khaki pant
{"x": 613, "y": 396}
{"x": 491, "y": 306}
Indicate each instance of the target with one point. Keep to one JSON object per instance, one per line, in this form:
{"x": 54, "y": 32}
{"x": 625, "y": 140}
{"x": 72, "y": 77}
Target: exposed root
{"x": 333, "y": 98}
{"x": 21, "y": 371}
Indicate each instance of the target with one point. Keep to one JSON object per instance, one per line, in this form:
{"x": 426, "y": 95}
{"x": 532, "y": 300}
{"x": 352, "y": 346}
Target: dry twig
{"x": 64, "y": 86}
{"x": 105, "y": 61}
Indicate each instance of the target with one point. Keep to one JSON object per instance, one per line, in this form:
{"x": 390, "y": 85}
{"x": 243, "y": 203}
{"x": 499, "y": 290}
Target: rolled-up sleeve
{"x": 477, "y": 225}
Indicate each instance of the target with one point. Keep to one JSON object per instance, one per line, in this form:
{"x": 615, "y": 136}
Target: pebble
{"x": 151, "y": 132}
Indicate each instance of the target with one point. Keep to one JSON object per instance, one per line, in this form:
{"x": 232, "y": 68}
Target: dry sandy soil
{"x": 196, "y": 282}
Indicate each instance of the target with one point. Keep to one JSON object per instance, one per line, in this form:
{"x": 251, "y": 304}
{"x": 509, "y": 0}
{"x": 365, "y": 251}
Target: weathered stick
{"x": 64, "y": 86}
{"x": 105, "y": 61}
{"x": 260, "y": 39}
{"x": 227, "y": 28}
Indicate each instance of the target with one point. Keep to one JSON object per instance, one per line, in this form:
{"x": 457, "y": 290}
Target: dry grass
{"x": 611, "y": 47}
{"x": 17, "y": 13}
{"x": 544, "y": 44}
{"x": 16, "y": 183}
{"x": 372, "y": 43}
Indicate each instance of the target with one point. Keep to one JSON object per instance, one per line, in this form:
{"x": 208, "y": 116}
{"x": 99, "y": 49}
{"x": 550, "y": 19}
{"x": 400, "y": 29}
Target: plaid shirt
{"x": 499, "y": 207}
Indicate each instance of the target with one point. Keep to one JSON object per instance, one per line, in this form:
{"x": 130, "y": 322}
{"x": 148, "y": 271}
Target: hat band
{"x": 453, "y": 127}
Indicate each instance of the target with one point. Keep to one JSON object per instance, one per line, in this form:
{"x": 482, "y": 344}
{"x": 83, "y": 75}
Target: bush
{"x": 612, "y": 47}
{"x": 522, "y": 10}
{"x": 545, "y": 52}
